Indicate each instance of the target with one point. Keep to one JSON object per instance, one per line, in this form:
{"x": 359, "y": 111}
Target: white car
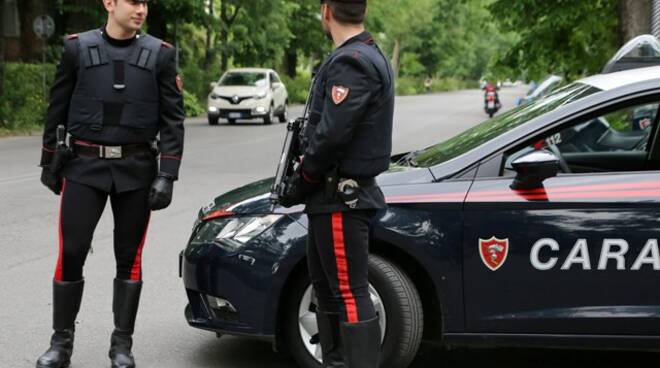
{"x": 248, "y": 93}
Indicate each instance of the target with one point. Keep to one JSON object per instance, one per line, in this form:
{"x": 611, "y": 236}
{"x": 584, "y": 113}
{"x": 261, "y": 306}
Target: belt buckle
{"x": 110, "y": 152}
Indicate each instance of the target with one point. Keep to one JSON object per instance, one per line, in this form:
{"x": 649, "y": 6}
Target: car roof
{"x": 251, "y": 70}
{"x": 611, "y": 81}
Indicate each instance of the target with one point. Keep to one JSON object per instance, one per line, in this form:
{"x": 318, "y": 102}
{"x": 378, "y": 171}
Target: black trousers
{"x": 337, "y": 257}
{"x": 80, "y": 210}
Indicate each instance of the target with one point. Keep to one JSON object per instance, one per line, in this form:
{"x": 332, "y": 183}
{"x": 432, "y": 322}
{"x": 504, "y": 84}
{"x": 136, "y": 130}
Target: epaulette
{"x": 166, "y": 45}
{"x": 71, "y": 37}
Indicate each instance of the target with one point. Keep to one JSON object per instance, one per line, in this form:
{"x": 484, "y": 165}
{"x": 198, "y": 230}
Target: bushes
{"x": 415, "y": 86}
{"x": 192, "y": 105}
{"x": 297, "y": 87}
{"x": 197, "y": 81}
{"x": 23, "y": 106}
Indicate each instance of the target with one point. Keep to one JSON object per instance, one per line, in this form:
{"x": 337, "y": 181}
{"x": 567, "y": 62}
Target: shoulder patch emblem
{"x": 71, "y": 37}
{"x": 179, "y": 83}
{"x": 166, "y": 45}
{"x": 339, "y": 94}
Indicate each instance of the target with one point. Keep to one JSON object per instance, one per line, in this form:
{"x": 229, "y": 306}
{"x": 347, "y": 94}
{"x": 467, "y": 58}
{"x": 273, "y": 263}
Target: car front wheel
{"x": 213, "y": 120}
{"x": 284, "y": 115}
{"x": 397, "y": 305}
{"x": 268, "y": 119}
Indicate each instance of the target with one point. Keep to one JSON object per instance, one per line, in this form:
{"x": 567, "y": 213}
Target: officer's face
{"x": 129, "y": 14}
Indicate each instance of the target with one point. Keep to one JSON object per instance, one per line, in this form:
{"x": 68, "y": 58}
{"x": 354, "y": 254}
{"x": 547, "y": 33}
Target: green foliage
{"x": 23, "y": 104}
{"x": 197, "y": 81}
{"x": 572, "y": 38}
{"x": 192, "y": 105}
{"x": 298, "y": 87}
{"x": 416, "y": 86}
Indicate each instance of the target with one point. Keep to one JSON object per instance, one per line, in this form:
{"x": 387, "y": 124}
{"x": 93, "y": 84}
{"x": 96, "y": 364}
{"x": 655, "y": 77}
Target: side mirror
{"x": 213, "y": 84}
{"x": 533, "y": 168}
{"x": 275, "y": 85}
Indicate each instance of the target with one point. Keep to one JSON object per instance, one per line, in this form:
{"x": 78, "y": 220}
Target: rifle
{"x": 291, "y": 153}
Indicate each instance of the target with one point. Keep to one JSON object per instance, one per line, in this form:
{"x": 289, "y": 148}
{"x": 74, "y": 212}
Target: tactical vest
{"x": 369, "y": 152}
{"x": 117, "y": 92}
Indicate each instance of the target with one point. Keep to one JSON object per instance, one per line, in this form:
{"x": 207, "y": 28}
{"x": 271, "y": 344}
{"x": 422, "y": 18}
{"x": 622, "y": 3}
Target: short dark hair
{"x": 348, "y": 13}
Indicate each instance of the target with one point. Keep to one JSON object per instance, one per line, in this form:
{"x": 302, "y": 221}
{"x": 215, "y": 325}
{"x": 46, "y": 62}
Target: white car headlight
{"x": 233, "y": 233}
{"x": 261, "y": 95}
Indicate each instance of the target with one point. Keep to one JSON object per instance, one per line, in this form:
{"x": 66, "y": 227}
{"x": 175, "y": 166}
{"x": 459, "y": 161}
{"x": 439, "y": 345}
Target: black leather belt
{"x": 108, "y": 152}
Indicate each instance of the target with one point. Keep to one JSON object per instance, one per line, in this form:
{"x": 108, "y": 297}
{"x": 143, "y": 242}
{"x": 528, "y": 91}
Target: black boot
{"x": 125, "y": 301}
{"x": 328, "y": 324}
{"x": 361, "y": 343}
{"x": 66, "y": 304}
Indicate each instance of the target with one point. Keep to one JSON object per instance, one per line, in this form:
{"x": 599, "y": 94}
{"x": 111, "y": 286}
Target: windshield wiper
{"x": 408, "y": 159}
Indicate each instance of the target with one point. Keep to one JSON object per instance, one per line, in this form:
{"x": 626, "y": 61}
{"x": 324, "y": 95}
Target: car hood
{"x": 237, "y": 90}
{"x": 254, "y": 198}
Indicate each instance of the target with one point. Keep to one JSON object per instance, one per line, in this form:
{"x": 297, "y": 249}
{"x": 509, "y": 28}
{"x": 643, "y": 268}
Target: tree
{"x": 460, "y": 41}
{"x": 635, "y": 18}
{"x": 307, "y": 37}
{"x": 573, "y": 38}
{"x": 401, "y": 21}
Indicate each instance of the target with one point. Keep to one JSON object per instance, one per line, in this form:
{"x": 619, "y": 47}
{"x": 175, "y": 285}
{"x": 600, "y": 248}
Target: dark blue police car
{"x": 538, "y": 227}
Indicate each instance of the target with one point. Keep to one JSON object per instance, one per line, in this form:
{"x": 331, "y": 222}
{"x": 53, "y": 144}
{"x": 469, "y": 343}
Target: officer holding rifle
{"x": 347, "y": 143}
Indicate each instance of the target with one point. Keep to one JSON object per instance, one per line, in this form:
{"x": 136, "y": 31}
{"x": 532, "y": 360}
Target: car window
{"x": 497, "y": 126}
{"x": 244, "y": 79}
{"x": 274, "y": 78}
{"x": 614, "y": 141}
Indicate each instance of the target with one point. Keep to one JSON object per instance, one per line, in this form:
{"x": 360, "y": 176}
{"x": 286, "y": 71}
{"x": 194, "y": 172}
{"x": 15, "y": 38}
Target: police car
{"x": 539, "y": 227}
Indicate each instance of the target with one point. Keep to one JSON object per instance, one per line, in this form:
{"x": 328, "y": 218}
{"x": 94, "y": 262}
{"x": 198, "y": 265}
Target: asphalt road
{"x": 216, "y": 159}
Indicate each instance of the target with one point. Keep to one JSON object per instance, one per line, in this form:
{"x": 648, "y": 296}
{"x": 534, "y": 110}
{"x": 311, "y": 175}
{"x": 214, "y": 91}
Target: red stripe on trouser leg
{"x": 58, "y": 268}
{"x": 136, "y": 270}
{"x": 342, "y": 268}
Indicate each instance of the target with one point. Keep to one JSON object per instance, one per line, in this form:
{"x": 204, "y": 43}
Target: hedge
{"x": 23, "y": 106}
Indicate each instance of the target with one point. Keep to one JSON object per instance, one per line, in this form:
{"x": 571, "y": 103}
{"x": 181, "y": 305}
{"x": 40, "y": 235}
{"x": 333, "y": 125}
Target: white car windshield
{"x": 244, "y": 79}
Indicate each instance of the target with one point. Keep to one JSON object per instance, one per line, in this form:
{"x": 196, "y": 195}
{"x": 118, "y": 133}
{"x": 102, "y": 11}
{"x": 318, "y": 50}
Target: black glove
{"x": 160, "y": 195}
{"x": 298, "y": 191}
{"x": 51, "y": 180}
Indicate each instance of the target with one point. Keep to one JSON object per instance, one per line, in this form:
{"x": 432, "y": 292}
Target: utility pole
{"x": 655, "y": 20}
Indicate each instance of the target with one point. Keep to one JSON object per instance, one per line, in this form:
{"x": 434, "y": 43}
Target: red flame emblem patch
{"x": 339, "y": 94}
{"x": 493, "y": 252}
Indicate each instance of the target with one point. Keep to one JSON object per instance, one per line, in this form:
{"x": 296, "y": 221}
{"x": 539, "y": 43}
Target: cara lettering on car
{"x": 613, "y": 255}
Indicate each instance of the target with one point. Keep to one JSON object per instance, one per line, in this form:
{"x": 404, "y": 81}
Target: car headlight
{"x": 233, "y": 233}
{"x": 261, "y": 95}
{"x": 215, "y": 96}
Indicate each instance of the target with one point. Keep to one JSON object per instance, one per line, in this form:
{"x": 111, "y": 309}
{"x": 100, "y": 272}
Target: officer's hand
{"x": 298, "y": 190}
{"x": 160, "y": 195}
{"x": 51, "y": 180}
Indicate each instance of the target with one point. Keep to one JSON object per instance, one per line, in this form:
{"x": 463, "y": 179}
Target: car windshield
{"x": 497, "y": 126}
{"x": 244, "y": 79}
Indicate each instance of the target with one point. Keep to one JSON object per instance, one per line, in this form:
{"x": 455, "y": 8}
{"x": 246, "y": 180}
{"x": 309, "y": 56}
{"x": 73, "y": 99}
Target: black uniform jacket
{"x": 350, "y": 124}
{"x": 135, "y": 171}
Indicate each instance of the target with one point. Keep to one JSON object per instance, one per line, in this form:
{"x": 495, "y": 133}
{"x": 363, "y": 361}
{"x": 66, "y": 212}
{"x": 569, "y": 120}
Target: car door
{"x": 278, "y": 90}
{"x": 578, "y": 255}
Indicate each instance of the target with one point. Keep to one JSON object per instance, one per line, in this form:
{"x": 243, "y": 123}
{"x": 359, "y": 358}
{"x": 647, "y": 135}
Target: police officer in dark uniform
{"x": 116, "y": 90}
{"x": 348, "y": 143}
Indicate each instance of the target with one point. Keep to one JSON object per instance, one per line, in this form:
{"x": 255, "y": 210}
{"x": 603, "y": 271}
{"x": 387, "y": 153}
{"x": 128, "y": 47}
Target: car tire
{"x": 404, "y": 322}
{"x": 268, "y": 119}
{"x": 284, "y": 115}
{"x": 213, "y": 120}
{"x": 231, "y": 121}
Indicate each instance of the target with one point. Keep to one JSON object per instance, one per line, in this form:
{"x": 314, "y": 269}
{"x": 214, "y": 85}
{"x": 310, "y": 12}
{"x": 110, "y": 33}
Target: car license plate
{"x": 235, "y": 115}
{"x": 491, "y": 104}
